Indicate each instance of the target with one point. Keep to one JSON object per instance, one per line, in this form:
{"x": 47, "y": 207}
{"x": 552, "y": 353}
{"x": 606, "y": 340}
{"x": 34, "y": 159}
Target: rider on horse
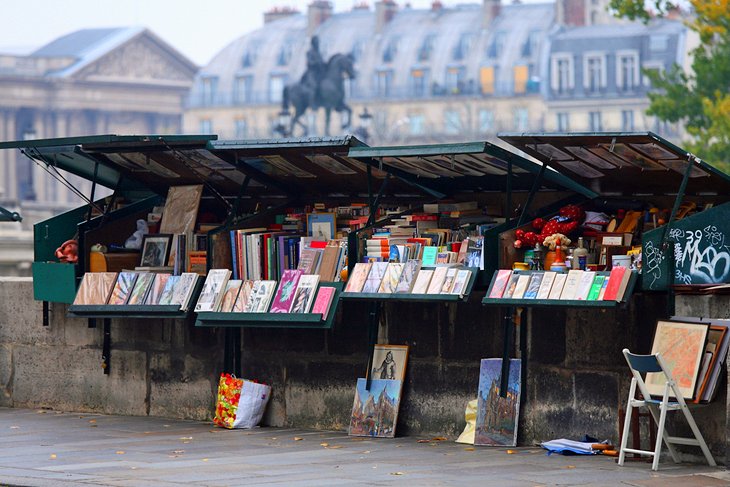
{"x": 316, "y": 67}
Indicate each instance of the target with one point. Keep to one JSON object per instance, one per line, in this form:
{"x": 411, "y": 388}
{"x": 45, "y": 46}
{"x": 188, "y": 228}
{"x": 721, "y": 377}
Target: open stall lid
{"x": 623, "y": 164}
{"x": 473, "y": 166}
{"x": 313, "y": 167}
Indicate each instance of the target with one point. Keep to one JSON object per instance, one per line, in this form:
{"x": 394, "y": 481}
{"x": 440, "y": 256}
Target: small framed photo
{"x": 321, "y": 226}
{"x": 155, "y": 249}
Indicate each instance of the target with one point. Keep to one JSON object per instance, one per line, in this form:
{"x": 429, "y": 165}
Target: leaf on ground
{"x": 438, "y": 438}
{"x": 324, "y": 444}
{"x": 298, "y": 438}
{"x": 178, "y": 452}
{"x": 333, "y": 447}
{"x": 15, "y": 427}
{"x": 205, "y": 459}
{"x": 397, "y": 473}
{"x": 186, "y": 438}
{"x": 53, "y": 456}
{"x": 469, "y": 448}
{"x": 119, "y": 452}
{"x": 569, "y": 466}
{"x": 366, "y": 451}
{"x": 423, "y": 441}
{"x": 92, "y": 421}
{"x": 511, "y": 452}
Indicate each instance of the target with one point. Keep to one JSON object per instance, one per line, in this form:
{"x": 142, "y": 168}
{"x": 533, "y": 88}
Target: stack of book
{"x": 408, "y": 277}
{"x": 575, "y": 285}
{"x": 136, "y": 288}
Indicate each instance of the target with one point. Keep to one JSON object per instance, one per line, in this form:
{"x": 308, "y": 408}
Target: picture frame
{"x": 155, "y": 249}
{"x": 682, "y": 347}
{"x": 389, "y": 362}
{"x": 321, "y": 225}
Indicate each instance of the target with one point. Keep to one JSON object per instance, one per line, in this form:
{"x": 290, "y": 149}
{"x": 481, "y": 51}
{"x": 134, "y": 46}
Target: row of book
{"x": 136, "y": 288}
{"x": 296, "y": 292}
{"x": 409, "y": 277}
{"x": 574, "y": 285}
{"x": 469, "y": 252}
{"x": 261, "y": 254}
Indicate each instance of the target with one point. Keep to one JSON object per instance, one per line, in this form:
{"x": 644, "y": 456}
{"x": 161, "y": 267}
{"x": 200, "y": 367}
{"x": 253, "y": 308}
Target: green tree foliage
{"x": 700, "y": 99}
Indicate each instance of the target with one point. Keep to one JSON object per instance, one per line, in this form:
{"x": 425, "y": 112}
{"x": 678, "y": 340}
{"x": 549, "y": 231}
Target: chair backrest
{"x": 640, "y": 364}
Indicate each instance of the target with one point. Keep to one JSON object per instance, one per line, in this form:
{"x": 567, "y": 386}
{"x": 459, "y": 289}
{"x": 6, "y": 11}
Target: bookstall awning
{"x": 313, "y": 166}
{"x": 624, "y": 164}
{"x": 475, "y": 166}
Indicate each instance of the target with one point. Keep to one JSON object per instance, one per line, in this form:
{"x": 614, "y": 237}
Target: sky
{"x": 198, "y": 29}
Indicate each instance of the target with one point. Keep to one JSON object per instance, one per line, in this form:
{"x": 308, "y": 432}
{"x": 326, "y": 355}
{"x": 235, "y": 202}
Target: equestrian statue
{"x": 321, "y": 86}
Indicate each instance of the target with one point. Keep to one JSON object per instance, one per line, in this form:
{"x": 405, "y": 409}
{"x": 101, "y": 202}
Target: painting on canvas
{"x": 497, "y": 416}
{"x": 375, "y": 411}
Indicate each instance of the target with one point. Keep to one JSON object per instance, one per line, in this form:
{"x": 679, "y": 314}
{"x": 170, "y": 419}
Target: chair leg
{"x": 665, "y": 434}
{"x": 627, "y": 423}
{"x": 660, "y": 429}
{"x": 698, "y": 436}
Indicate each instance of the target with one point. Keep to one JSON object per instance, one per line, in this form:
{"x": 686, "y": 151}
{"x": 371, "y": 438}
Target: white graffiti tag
{"x": 703, "y": 254}
{"x": 652, "y": 258}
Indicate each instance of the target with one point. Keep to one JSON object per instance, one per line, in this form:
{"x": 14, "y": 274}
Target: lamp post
{"x": 283, "y": 121}
{"x": 366, "y": 119}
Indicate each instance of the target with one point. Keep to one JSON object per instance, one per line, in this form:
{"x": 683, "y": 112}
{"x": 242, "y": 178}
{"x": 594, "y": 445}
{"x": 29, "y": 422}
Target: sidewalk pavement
{"x": 48, "y": 448}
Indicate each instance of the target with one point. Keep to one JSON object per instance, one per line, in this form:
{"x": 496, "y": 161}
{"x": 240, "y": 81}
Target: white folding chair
{"x": 641, "y": 364}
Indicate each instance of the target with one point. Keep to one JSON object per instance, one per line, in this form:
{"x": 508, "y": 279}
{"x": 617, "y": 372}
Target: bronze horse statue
{"x": 328, "y": 94}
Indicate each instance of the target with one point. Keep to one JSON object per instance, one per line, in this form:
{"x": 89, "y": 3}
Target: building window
{"x": 419, "y": 82}
{"x": 242, "y": 89}
{"x": 627, "y": 120}
{"x": 563, "y": 120}
{"x": 284, "y": 54}
{"x": 658, "y": 43}
{"x": 655, "y": 67}
{"x": 522, "y": 121}
{"x": 276, "y": 87}
{"x": 240, "y": 128}
{"x": 594, "y": 122}
{"x": 627, "y": 70}
{"x": 454, "y": 79}
{"x": 497, "y": 46}
{"x": 462, "y": 48}
{"x": 357, "y": 49}
{"x": 486, "y": 121}
{"x": 486, "y": 80}
{"x": 520, "y": 75}
{"x": 594, "y": 69}
{"x": 417, "y": 124}
{"x": 209, "y": 87}
{"x": 530, "y": 46}
{"x": 424, "y": 52}
{"x": 452, "y": 122}
{"x": 383, "y": 83}
{"x": 206, "y": 126}
{"x": 249, "y": 57}
{"x": 562, "y": 74}
{"x": 390, "y": 51}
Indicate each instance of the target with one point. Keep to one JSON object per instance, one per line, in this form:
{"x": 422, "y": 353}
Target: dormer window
{"x": 462, "y": 48}
{"x": 285, "y": 54}
{"x": 390, "y": 51}
{"x": 424, "y": 52}
{"x": 497, "y": 46}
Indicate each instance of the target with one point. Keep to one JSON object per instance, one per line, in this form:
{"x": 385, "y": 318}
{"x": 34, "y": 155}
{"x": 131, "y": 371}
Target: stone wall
{"x": 576, "y": 378}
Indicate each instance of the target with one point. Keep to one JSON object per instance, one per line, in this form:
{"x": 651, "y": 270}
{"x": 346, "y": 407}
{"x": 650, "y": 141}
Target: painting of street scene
{"x": 497, "y": 416}
{"x": 375, "y": 412}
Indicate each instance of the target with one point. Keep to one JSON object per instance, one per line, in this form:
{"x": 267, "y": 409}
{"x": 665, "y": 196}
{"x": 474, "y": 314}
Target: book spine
{"x": 234, "y": 254}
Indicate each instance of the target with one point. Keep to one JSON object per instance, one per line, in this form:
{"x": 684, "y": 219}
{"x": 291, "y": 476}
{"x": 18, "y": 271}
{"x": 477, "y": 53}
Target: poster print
{"x": 389, "y": 362}
{"x": 682, "y": 346}
{"x": 375, "y": 411}
{"x": 497, "y": 416}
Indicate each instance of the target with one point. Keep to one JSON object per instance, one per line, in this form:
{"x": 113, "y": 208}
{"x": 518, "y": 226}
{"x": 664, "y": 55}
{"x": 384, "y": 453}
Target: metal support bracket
{"x": 106, "y": 347}
{"x": 373, "y": 323}
{"x": 9, "y": 216}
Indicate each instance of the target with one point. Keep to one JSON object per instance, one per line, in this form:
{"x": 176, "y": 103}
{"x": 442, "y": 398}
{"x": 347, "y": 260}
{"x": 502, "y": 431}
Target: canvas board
{"x": 497, "y": 416}
{"x": 375, "y": 411}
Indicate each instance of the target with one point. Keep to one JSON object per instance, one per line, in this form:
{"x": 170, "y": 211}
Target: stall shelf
{"x": 274, "y": 320}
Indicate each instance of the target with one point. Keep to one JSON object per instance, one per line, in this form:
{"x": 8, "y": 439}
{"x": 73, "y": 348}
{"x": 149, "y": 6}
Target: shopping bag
{"x": 240, "y": 403}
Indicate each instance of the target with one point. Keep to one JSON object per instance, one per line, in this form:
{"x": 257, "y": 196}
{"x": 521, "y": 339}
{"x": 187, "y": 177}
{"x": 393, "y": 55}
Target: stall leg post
{"x": 46, "y": 314}
{"x": 373, "y": 323}
{"x": 106, "y": 347}
{"x": 507, "y": 350}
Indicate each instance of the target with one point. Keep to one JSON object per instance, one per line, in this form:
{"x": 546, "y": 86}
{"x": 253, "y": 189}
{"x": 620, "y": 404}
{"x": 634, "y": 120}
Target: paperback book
{"x": 123, "y": 288}
{"x": 158, "y": 285}
{"x": 141, "y": 288}
{"x": 461, "y": 282}
{"x": 448, "y": 283}
{"x": 500, "y": 283}
{"x": 233, "y": 287}
{"x": 212, "y": 293}
{"x": 558, "y": 285}
{"x": 261, "y": 295}
{"x": 534, "y": 286}
{"x": 390, "y": 280}
{"x": 95, "y": 288}
{"x": 356, "y": 281}
{"x": 323, "y": 301}
{"x": 243, "y": 296}
{"x": 437, "y": 280}
{"x": 422, "y": 281}
{"x": 375, "y": 277}
{"x": 304, "y": 295}
{"x": 284, "y": 298}
{"x": 548, "y": 278}
{"x": 166, "y": 296}
{"x": 183, "y": 292}
{"x": 408, "y": 276}
{"x": 522, "y": 281}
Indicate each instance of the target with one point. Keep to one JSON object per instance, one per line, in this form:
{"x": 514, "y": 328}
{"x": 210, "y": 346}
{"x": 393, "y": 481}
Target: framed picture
{"x": 389, "y": 362}
{"x": 682, "y": 346}
{"x": 155, "y": 249}
{"x": 321, "y": 226}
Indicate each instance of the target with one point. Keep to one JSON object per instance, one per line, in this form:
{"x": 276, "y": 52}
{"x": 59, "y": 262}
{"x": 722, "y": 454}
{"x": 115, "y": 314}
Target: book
{"x": 558, "y": 285}
{"x": 197, "y": 261}
{"x": 448, "y": 283}
{"x": 213, "y": 287}
{"x": 500, "y": 283}
{"x": 375, "y": 277}
{"x": 158, "y": 285}
{"x": 522, "y": 282}
{"x": 330, "y": 256}
{"x": 230, "y": 294}
{"x": 509, "y": 289}
{"x": 584, "y": 285}
{"x": 166, "y": 296}
{"x": 391, "y": 277}
{"x": 571, "y": 284}
{"x": 422, "y": 281}
{"x": 437, "y": 280}
{"x": 141, "y": 288}
{"x": 308, "y": 260}
{"x": 184, "y": 290}
{"x": 284, "y": 298}
{"x": 95, "y": 288}
{"x": 323, "y": 301}
{"x": 261, "y": 294}
{"x": 356, "y": 281}
{"x": 408, "y": 276}
{"x": 534, "y": 285}
{"x": 461, "y": 281}
{"x": 304, "y": 295}
{"x": 596, "y": 287}
{"x": 602, "y": 292}
{"x": 475, "y": 252}
{"x": 548, "y": 278}
{"x": 617, "y": 281}
{"x": 122, "y": 288}
{"x": 243, "y": 296}
{"x": 429, "y": 255}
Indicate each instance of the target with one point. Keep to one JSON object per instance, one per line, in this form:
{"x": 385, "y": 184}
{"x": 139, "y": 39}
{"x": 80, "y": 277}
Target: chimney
{"x": 277, "y": 13}
{"x": 317, "y": 13}
{"x": 385, "y": 10}
{"x": 490, "y": 11}
{"x": 361, "y": 6}
{"x": 571, "y": 12}
{"x": 436, "y": 6}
